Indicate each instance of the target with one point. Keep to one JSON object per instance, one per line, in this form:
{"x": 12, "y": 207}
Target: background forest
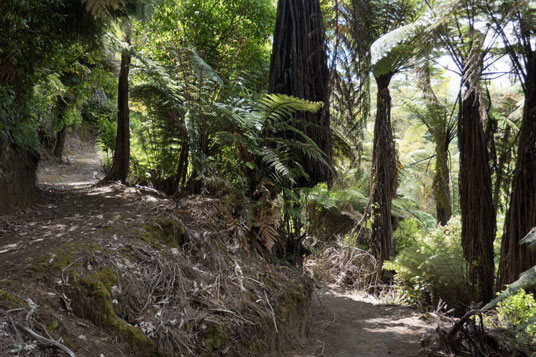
{"x": 385, "y": 145}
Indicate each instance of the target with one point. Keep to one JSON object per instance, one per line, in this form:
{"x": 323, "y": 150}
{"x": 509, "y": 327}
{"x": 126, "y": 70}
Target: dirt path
{"x": 72, "y": 212}
{"x": 81, "y": 167}
{"x": 357, "y": 325}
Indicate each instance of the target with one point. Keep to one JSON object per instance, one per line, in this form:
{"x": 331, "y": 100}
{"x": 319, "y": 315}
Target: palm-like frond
{"x": 527, "y": 279}
{"x": 530, "y": 238}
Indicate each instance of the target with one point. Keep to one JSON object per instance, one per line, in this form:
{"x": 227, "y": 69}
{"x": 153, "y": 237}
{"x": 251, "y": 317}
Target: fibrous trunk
{"x": 442, "y": 179}
{"x": 521, "y": 214}
{"x": 438, "y": 125}
{"x": 384, "y": 179}
{"x": 298, "y": 67}
{"x": 478, "y": 212}
{"x": 60, "y": 142}
{"x": 120, "y": 166}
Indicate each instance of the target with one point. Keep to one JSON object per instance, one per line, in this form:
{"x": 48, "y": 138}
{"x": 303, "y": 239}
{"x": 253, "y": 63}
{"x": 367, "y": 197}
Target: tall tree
{"x": 388, "y": 57}
{"x": 515, "y": 21}
{"x": 298, "y": 67}
{"x": 121, "y": 160}
{"x": 465, "y": 44}
{"x": 124, "y": 11}
{"x": 438, "y": 124}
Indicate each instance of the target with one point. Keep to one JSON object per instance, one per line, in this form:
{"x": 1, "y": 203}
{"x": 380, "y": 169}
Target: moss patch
{"x": 164, "y": 231}
{"x": 92, "y": 300}
{"x": 9, "y": 301}
{"x": 61, "y": 257}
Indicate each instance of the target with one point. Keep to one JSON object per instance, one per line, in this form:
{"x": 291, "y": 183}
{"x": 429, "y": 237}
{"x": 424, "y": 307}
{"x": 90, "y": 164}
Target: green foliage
{"x": 179, "y": 118}
{"x": 231, "y": 36}
{"x": 37, "y": 38}
{"x": 516, "y": 310}
{"x": 526, "y": 280}
{"x": 433, "y": 267}
{"x": 256, "y": 135}
{"x": 405, "y": 235}
{"x": 107, "y": 134}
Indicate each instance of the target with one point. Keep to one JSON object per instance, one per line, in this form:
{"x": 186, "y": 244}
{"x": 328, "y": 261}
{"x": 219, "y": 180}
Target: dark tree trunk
{"x": 442, "y": 176}
{"x": 384, "y": 179}
{"x": 478, "y": 212}
{"x": 120, "y": 166}
{"x": 60, "y": 142}
{"x": 521, "y": 214}
{"x": 298, "y": 67}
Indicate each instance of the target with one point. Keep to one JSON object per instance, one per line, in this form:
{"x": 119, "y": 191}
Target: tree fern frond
{"x": 526, "y": 279}
{"x": 530, "y": 238}
{"x": 382, "y": 51}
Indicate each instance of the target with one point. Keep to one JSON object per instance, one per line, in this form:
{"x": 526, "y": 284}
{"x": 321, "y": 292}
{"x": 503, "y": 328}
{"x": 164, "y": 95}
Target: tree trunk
{"x": 60, "y": 142}
{"x": 478, "y": 212}
{"x": 120, "y": 166}
{"x": 437, "y": 124}
{"x": 521, "y": 214}
{"x": 298, "y": 67}
{"x": 441, "y": 182}
{"x": 384, "y": 177}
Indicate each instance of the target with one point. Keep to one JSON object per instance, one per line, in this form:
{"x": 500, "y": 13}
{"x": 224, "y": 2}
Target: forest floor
{"x": 72, "y": 211}
{"x": 347, "y": 323}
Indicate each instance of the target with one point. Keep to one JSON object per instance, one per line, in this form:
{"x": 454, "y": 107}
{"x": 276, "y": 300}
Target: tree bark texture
{"x": 441, "y": 182}
{"x": 478, "y": 212}
{"x": 521, "y": 214}
{"x": 384, "y": 179}
{"x": 298, "y": 67}
{"x": 60, "y": 141}
{"x": 120, "y": 166}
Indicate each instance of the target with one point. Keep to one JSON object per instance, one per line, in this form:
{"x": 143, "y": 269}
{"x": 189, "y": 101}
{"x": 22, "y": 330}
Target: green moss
{"x": 53, "y": 326}
{"x": 9, "y": 301}
{"x": 215, "y": 337}
{"x": 92, "y": 300}
{"x": 163, "y": 231}
{"x": 60, "y": 258}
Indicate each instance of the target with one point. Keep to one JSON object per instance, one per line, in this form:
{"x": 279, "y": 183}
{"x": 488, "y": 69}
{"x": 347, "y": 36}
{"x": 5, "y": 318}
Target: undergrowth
{"x": 432, "y": 269}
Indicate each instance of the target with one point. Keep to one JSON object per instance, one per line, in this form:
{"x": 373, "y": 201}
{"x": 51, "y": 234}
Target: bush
{"x": 404, "y": 236}
{"x": 432, "y": 267}
{"x": 516, "y": 310}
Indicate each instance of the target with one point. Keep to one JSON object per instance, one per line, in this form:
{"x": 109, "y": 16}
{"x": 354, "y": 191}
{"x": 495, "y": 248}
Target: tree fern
{"x": 527, "y": 279}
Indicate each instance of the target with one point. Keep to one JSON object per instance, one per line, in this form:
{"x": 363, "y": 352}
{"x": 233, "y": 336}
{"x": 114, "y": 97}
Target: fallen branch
{"x": 45, "y": 340}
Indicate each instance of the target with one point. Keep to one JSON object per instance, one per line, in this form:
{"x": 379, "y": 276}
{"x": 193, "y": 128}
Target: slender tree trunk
{"x": 60, "y": 142}
{"x": 504, "y": 158}
{"x": 478, "y": 212}
{"x": 521, "y": 214}
{"x": 441, "y": 182}
{"x": 438, "y": 125}
{"x": 384, "y": 178}
{"x": 120, "y": 166}
{"x": 298, "y": 67}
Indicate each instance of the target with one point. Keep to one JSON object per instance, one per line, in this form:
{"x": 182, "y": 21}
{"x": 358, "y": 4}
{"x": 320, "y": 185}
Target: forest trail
{"x": 354, "y": 324}
{"x": 72, "y": 210}
{"x": 81, "y": 167}
{"x": 71, "y": 214}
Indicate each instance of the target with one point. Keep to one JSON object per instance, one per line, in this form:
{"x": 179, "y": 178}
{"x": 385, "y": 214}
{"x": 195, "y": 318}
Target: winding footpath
{"x": 357, "y": 325}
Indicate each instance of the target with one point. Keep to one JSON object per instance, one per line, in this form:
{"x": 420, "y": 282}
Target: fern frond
{"x": 530, "y": 238}
{"x": 102, "y": 8}
{"x": 526, "y": 279}
{"x": 387, "y": 50}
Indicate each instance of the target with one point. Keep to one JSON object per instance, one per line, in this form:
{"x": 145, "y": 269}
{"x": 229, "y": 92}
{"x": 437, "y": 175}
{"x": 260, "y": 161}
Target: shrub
{"x": 404, "y": 236}
{"x": 516, "y": 310}
{"x": 432, "y": 268}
